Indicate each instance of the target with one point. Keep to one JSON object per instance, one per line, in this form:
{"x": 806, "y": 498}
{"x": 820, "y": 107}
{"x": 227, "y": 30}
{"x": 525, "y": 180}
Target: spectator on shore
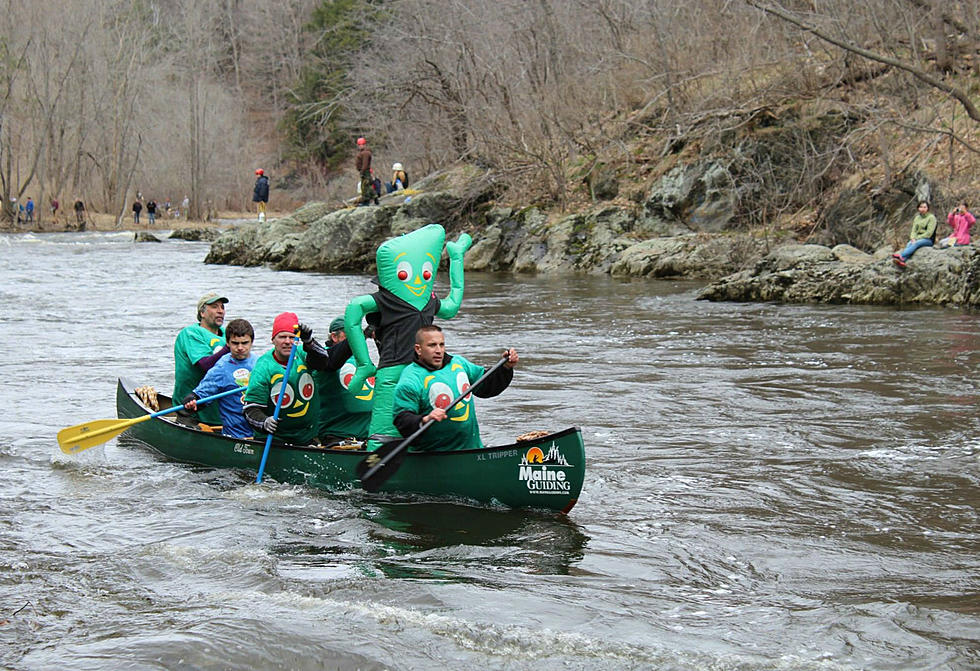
{"x": 137, "y": 208}
{"x": 362, "y": 162}
{"x": 79, "y": 214}
{"x": 185, "y": 205}
{"x": 961, "y": 220}
{"x": 54, "y": 208}
{"x": 260, "y": 194}
{"x": 151, "y": 211}
{"x": 399, "y": 179}
{"x": 29, "y": 209}
{"x": 923, "y": 234}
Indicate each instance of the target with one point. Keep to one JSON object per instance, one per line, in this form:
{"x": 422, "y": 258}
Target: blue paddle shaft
{"x": 200, "y": 401}
{"x": 275, "y": 413}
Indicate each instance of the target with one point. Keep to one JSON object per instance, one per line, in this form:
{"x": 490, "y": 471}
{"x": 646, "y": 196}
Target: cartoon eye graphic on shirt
{"x": 440, "y": 395}
{"x": 346, "y": 373}
{"x": 427, "y": 271}
{"x": 463, "y": 384}
{"x": 404, "y": 271}
{"x": 287, "y": 397}
{"x": 306, "y": 386}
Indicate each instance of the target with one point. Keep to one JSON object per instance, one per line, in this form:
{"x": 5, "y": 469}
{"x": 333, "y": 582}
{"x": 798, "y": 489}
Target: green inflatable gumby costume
{"x": 407, "y": 267}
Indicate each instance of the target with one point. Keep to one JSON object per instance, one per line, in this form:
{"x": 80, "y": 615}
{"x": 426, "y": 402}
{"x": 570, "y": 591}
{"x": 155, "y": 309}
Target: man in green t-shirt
{"x": 299, "y": 415}
{"x": 197, "y": 348}
{"x": 435, "y": 378}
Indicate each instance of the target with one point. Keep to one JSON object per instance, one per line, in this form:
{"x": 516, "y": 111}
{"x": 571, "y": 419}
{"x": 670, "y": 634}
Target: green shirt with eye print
{"x": 193, "y": 343}
{"x": 300, "y": 409}
{"x": 419, "y": 390}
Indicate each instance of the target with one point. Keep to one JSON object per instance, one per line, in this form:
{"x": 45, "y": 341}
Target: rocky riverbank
{"x": 678, "y": 231}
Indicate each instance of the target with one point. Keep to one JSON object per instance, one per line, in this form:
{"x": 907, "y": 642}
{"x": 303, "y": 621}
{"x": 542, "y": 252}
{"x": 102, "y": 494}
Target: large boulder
{"x": 816, "y": 274}
{"x": 320, "y": 238}
{"x": 195, "y": 234}
{"x": 256, "y": 244}
{"x": 694, "y": 256}
{"x": 695, "y": 197}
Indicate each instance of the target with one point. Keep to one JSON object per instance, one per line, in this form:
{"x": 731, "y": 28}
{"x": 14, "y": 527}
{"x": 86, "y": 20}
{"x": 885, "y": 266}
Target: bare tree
{"x": 852, "y": 46}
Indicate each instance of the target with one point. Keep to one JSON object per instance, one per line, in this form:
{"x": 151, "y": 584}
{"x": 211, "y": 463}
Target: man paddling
{"x": 431, "y": 381}
{"x": 230, "y": 372}
{"x": 197, "y": 348}
{"x": 300, "y": 411}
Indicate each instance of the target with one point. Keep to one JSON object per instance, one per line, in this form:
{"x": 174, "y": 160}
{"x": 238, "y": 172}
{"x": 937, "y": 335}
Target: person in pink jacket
{"x": 962, "y": 221}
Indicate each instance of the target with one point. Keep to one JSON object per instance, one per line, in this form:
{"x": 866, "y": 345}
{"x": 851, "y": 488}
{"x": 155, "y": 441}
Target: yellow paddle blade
{"x": 83, "y": 436}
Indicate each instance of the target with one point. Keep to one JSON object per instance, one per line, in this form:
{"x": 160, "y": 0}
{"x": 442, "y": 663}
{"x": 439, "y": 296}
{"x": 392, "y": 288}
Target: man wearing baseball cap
{"x": 197, "y": 348}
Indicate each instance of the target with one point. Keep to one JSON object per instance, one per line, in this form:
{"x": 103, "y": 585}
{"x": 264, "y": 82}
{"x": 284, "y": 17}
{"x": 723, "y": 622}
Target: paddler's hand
{"x": 512, "y": 357}
{"x": 270, "y": 424}
{"x": 305, "y": 333}
{"x": 437, "y": 415}
{"x": 190, "y": 402}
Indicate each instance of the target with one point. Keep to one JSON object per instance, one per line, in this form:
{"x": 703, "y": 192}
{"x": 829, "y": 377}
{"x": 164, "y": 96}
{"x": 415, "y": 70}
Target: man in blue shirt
{"x": 231, "y": 370}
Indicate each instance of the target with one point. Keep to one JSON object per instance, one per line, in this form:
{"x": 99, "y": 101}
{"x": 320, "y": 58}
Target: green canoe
{"x": 545, "y": 472}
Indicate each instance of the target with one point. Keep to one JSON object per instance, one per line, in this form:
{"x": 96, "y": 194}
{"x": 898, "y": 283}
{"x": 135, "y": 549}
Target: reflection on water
{"x": 440, "y": 540}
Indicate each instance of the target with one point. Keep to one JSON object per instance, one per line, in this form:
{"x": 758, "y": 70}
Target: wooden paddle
{"x": 275, "y": 413}
{"x": 375, "y": 469}
{"x": 83, "y": 436}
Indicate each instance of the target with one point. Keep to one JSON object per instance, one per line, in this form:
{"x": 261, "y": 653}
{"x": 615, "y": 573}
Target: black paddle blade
{"x": 371, "y": 480}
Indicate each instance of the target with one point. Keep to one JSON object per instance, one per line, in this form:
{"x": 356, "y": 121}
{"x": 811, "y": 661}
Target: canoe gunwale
{"x": 129, "y": 387}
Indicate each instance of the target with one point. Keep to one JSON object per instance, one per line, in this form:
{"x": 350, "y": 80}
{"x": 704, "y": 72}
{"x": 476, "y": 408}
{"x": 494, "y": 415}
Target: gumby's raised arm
{"x": 455, "y": 250}
{"x": 353, "y": 315}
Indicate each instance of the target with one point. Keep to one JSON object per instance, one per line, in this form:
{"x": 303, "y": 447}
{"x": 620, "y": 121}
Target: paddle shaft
{"x": 81, "y": 437}
{"x": 275, "y": 413}
{"x": 375, "y": 471}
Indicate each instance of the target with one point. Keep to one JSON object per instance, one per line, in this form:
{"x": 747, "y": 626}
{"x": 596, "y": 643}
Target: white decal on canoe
{"x": 543, "y": 473}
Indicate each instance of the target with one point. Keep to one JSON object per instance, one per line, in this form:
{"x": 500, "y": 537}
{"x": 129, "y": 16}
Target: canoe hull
{"x": 544, "y": 473}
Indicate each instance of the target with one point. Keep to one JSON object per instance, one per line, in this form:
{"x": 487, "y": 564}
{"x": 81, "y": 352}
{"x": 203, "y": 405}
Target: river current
{"x": 768, "y": 486}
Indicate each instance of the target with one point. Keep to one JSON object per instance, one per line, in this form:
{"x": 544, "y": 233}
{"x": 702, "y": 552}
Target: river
{"x": 768, "y": 487}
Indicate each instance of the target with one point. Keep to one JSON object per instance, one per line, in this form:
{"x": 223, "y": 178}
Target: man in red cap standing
{"x": 363, "y": 164}
{"x": 260, "y": 194}
{"x": 300, "y": 411}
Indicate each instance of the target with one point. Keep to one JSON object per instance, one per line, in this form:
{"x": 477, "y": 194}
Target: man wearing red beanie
{"x": 300, "y": 411}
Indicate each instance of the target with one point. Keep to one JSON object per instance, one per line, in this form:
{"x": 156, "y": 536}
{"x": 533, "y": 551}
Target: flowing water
{"x": 768, "y": 487}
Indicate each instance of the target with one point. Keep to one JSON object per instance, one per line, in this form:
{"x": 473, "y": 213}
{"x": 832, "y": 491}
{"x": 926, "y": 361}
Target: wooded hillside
{"x": 103, "y": 99}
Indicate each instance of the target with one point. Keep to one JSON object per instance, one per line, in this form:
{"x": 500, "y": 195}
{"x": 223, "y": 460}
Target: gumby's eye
{"x": 440, "y": 395}
{"x": 347, "y": 374}
{"x": 306, "y": 386}
{"x": 404, "y": 270}
{"x": 427, "y": 271}
{"x": 287, "y": 397}
{"x": 462, "y": 382}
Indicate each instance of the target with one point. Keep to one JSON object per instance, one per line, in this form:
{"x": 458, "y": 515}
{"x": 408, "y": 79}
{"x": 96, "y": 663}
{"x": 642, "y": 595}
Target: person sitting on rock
{"x": 923, "y": 234}
{"x": 961, "y": 220}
